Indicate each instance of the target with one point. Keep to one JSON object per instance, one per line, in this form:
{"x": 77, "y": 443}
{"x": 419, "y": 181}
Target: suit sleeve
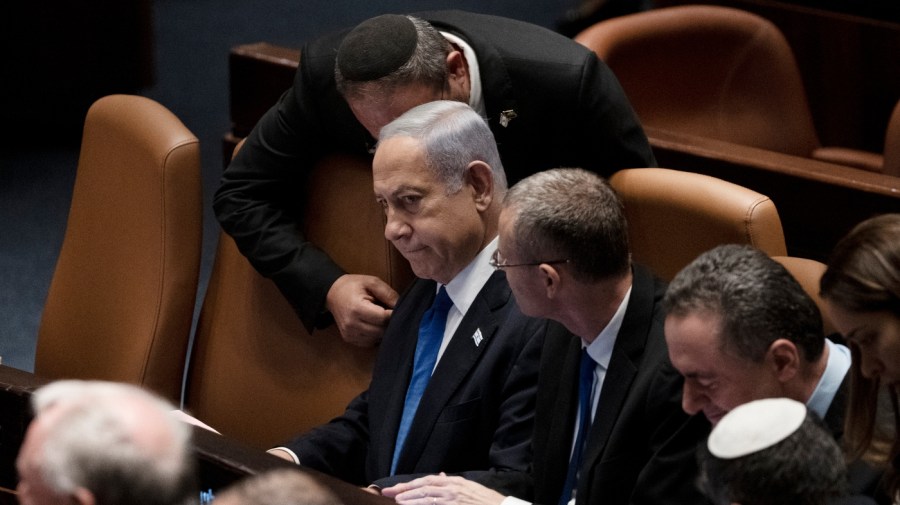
{"x": 340, "y": 446}
{"x": 261, "y": 197}
{"x": 670, "y": 476}
{"x": 611, "y": 129}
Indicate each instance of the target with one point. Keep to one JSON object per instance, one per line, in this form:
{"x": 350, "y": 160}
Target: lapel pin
{"x": 476, "y": 337}
{"x": 507, "y": 116}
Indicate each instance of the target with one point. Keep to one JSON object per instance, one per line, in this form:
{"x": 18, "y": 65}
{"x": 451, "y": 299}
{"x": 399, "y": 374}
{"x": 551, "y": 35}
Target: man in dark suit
{"x": 549, "y": 102}
{"x": 439, "y": 178}
{"x": 564, "y": 246}
{"x": 741, "y": 328}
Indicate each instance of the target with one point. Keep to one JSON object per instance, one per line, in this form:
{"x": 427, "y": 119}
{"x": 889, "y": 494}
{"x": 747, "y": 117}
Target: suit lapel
{"x": 562, "y": 423}
{"x": 460, "y": 356}
{"x": 623, "y": 366}
{"x": 406, "y": 321}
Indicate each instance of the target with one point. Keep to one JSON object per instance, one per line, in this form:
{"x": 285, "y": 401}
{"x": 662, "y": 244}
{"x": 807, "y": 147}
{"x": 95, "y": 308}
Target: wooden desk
{"x": 16, "y": 387}
{"x": 818, "y": 202}
{"x": 221, "y": 461}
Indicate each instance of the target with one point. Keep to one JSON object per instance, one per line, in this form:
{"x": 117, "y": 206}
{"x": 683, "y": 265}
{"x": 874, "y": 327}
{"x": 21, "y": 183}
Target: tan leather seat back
{"x": 808, "y": 273}
{"x": 892, "y": 144}
{"x": 122, "y": 297}
{"x": 710, "y": 71}
{"x": 255, "y": 373}
{"x": 675, "y": 216}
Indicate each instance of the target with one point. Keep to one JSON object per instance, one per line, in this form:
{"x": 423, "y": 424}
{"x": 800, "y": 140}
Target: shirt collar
{"x": 602, "y": 347}
{"x": 476, "y": 99}
{"x": 832, "y": 377}
{"x": 463, "y": 288}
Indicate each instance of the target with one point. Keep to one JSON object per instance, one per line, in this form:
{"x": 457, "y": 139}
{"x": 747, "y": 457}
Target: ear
{"x": 83, "y": 496}
{"x": 551, "y": 280}
{"x": 457, "y": 69}
{"x": 784, "y": 359}
{"x": 480, "y": 178}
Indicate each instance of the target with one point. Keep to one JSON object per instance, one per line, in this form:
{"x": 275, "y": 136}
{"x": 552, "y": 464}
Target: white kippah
{"x": 754, "y": 426}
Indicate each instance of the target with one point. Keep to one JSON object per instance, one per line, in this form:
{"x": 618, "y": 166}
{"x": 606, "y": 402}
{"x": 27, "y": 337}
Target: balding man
{"x": 103, "y": 443}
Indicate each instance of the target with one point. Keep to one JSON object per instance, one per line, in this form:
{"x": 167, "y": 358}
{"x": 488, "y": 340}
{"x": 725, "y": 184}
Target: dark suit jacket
{"x": 642, "y": 446}
{"x": 476, "y": 416}
{"x": 864, "y": 478}
{"x": 570, "y": 110}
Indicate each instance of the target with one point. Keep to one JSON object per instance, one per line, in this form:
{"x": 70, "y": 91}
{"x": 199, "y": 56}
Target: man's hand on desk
{"x": 442, "y": 489}
{"x": 361, "y": 306}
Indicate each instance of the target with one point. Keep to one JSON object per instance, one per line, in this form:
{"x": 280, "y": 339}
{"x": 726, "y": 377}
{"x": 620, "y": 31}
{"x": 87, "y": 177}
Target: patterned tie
{"x": 585, "y": 382}
{"x": 431, "y": 332}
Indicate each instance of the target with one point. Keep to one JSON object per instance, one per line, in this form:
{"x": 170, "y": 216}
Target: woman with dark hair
{"x": 861, "y": 290}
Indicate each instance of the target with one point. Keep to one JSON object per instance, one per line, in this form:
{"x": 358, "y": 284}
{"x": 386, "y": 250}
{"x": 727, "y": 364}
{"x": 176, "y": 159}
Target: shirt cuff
{"x": 512, "y": 500}
{"x": 291, "y": 453}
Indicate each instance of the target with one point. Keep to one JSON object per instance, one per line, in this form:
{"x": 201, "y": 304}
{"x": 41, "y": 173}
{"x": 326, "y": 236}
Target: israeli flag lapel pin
{"x": 476, "y": 337}
{"x": 507, "y": 116}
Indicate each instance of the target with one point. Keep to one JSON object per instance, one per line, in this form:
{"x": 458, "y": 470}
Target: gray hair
{"x": 284, "y": 486}
{"x": 573, "y": 214}
{"x": 95, "y": 443}
{"x": 452, "y": 135}
{"x": 757, "y": 299}
{"x": 427, "y": 65}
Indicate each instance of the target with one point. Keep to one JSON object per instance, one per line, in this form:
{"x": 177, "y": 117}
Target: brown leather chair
{"x": 121, "y": 301}
{"x": 891, "y": 164}
{"x": 675, "y": 216}
{"x": 808, "y": 272}
{"x": 710, "y": 71}
{"x": 256, "y": 374}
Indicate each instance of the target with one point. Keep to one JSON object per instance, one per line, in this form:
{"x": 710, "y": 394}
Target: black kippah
{"x": 377, "y": 47}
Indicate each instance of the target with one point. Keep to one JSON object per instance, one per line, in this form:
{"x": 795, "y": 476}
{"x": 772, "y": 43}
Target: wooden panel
{"x": 258, "y": 75}
{"x": 818, "y": 202}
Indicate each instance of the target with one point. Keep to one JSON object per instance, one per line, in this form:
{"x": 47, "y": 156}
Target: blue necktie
{"x": 431, "y": 333}
{"x": 585, "y": 382}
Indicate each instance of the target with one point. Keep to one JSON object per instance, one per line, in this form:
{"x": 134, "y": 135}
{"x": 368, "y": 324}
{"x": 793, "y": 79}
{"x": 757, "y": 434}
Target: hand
{"x": 442, "y": 490}
{"x": 361, "y": 306}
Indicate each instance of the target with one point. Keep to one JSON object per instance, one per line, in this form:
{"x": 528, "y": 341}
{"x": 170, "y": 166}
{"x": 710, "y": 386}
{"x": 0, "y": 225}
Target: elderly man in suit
{"x": 105, "y": 443}
{"x": 549, "y": 102}
{"x": 459, "y": 398}
{"x": 608, "y": 426}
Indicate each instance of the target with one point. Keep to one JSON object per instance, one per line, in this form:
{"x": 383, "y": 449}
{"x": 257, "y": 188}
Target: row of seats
{"x": 726, "y": 74}
{"x": 122, "y": 297}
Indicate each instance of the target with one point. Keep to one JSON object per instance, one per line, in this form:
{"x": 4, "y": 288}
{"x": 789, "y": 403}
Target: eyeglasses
{"x": 498, "y": 263}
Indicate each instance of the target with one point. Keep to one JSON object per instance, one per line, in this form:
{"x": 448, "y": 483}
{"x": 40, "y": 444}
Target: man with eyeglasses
{"x": 453, "y": 387}
{"x": 609, "y": 427}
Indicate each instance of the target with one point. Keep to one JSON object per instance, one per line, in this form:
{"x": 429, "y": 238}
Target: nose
{"x": 395, "y": 228}
{"x": 692, "y": 399}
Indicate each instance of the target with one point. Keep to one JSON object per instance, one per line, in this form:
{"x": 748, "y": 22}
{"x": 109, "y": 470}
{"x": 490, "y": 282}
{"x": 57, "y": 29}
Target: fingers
{"x": 360, "y": 320}
{"x": 414, "y": 489}
{"x": 383, "y": 293}
{"x": 425, "y": 495}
